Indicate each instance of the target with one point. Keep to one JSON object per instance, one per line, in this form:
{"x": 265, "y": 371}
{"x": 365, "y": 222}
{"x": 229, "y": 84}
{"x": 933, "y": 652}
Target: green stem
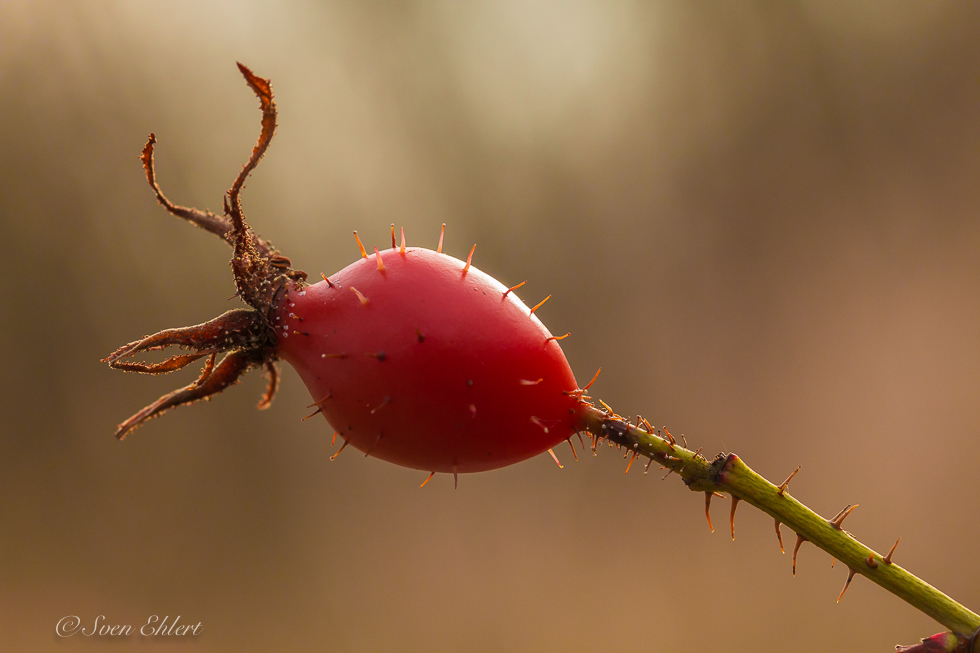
{"x": 728, "y": 474}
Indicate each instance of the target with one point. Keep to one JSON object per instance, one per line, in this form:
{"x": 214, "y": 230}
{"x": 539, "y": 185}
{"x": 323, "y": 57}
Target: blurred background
{"x": 760, "y": 219}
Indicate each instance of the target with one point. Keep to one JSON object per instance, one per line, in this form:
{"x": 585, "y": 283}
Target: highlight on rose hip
{"x": 408, "y": 349}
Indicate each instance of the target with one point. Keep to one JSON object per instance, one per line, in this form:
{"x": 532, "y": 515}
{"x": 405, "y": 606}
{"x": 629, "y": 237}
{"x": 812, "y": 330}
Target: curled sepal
{"x": 218, "y": 225}
{"x": 938, "y": 643}
{"x": 237, "y": 328}
{"x": 272, "y": 374}
{"x": 213, "y": 380}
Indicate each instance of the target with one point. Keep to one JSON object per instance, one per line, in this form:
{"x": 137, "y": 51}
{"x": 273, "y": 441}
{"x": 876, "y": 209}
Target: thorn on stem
{"x": 796, "y": 549}
{"x": 707, "y": 508}
{"x": 871, "y": 562}
{"x": 779, "y": 536}
{"x": 785, "y": 484}
{"x": 431, "y": 474}
{"x": 442, "y": 234}
{"x": 630, "y": 463}
{"x": 842, "y": 515}
{"x": 735, "y": 501}
{"x": 847, "y": 583}
{"x": 888, "y": 558}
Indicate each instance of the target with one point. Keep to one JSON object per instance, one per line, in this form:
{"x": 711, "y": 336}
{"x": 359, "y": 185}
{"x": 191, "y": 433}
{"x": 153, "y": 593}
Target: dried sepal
{"x": 260, "y": 274}
{"x": 172, "y": 364}
{"x": 273, "y": 376}
{"x": 263, "y": 90}
{"x": 207, "y": 220}
{"x": 212, "y": 381}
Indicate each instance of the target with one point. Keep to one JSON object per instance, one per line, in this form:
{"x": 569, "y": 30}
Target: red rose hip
{"x": 422, "y": 364}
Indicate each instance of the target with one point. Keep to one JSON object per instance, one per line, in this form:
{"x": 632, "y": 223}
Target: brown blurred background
{"x": 761, "y": 220}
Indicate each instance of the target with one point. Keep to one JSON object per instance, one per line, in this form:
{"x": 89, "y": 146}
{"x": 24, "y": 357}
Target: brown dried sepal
{"x": 212, "y": 381}
{"x": 261, "y": 273}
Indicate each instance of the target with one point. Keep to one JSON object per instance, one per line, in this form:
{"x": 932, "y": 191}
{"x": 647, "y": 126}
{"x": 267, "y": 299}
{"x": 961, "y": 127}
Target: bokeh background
{"x": 760, "y": 219}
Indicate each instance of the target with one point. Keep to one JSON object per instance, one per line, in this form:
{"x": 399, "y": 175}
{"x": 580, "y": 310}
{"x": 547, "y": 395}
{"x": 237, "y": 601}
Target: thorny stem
{"x": 728, "y": 474}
